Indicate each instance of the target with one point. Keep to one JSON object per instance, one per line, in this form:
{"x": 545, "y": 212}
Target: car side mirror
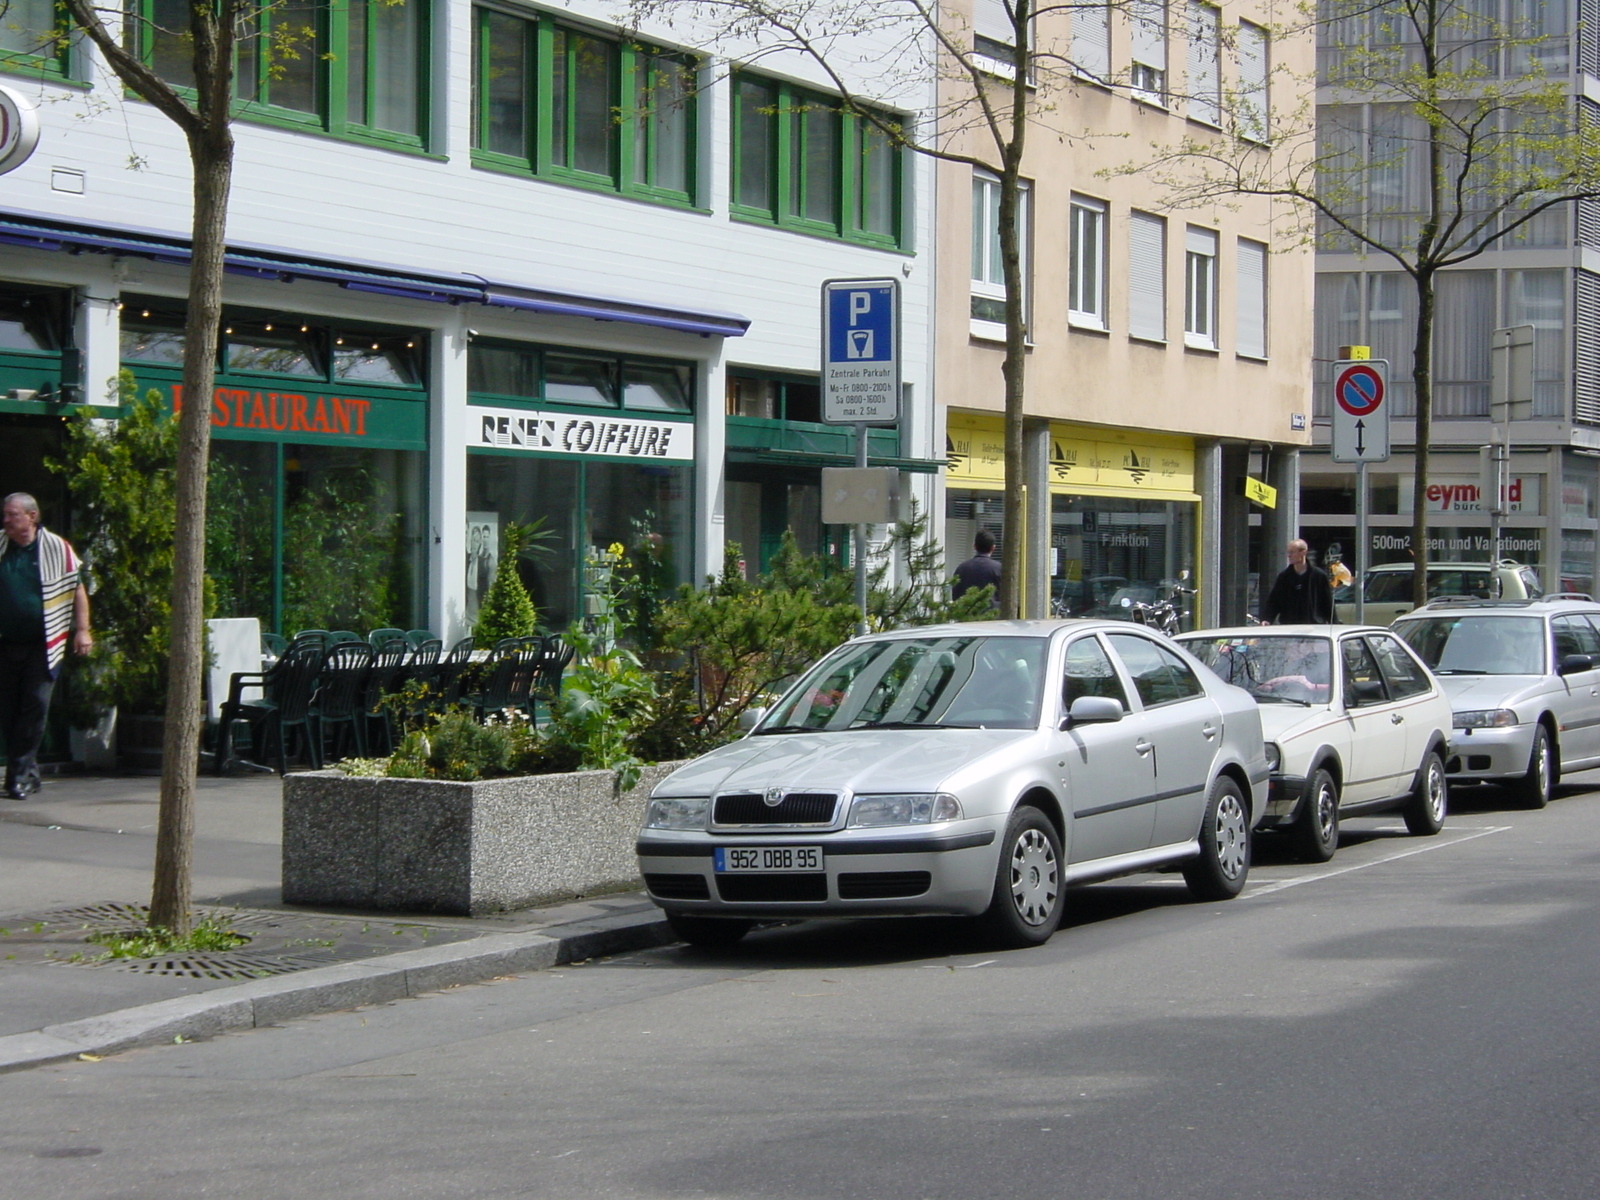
{"x": 1092, "y": 710}
{"x": 1571, "y": 664}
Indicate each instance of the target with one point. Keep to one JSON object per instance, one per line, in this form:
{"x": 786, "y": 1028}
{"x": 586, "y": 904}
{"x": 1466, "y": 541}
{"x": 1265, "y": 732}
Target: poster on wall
{"x": 483, "y": 552}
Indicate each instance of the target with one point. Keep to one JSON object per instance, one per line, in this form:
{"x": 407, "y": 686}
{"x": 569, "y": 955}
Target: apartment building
{"x": 489, "y": 262}
{"x": 1547, "y": 275}
{"x": 1169, "y": 350}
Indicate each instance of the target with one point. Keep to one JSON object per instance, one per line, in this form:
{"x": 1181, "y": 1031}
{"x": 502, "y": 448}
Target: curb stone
{"x": 332, "y": 989}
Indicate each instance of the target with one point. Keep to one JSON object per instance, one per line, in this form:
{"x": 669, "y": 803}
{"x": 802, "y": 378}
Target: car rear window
{"x": 1480, "y": 644}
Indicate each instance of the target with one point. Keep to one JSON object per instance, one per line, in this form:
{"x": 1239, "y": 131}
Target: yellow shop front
{"x": 1122, "y": 515}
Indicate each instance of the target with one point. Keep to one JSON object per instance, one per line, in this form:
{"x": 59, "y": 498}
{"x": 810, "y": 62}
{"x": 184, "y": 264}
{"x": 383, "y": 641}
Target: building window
{"x": 1091, "y": 41}
{"x": 1200, "y": 289}
{"x": 1204, "y": 84}
{"x": 28, "y": 37}
{"x": 1250, "y": 297}
{"x": 800, "y": 161}
{"x": 356, "y": 68}
{"x": 1086, "y": 273}
{"x": 1148, "y": 76}
{"x": 1252, "y": 110}
{"x": 521, "y": 371}
{"x": 571, "y": 105}
{"x": 988, "y": 277}
{"x": 1147, "y": 277}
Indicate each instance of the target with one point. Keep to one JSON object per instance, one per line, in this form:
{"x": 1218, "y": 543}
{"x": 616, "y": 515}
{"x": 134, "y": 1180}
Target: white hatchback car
{"x": 1355, "y": 724}
{"x": 973, "y": 769}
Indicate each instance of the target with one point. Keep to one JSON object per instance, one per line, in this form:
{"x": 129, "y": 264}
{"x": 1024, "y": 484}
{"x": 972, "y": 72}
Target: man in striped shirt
{"x": 42, "y": 602}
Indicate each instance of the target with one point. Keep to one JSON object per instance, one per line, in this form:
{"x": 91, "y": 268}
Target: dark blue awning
{"x": 45, "y": 233}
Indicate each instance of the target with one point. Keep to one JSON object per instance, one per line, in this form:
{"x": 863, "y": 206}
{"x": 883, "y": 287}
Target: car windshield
{"x": 966, "y": 682}
{"x": 1478, "y": 645}
{"x": 1394, "y": 587}
{"x": 1278, "y": 668}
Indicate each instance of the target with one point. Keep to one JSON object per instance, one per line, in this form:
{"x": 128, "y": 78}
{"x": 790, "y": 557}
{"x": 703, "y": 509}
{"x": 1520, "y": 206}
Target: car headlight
{"x": 914, "y": 808}
{"x": 670, "y": 812}
{"x": 1486, "y": 718}
{"x": 1274, "y": 756}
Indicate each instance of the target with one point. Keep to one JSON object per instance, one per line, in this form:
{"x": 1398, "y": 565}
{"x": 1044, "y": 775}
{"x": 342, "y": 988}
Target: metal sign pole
{"x": 1365, "y": 551}
{"x": 861, "y": 538}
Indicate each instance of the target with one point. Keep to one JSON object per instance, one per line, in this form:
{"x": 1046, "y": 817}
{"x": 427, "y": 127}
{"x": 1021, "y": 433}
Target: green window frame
{"x": 356, "y": 69}
{"x": 568, "y": 103}
{"x": 501, "y": 371}
{"x": 33, "y": 40}
{"x": 803, "y": 161}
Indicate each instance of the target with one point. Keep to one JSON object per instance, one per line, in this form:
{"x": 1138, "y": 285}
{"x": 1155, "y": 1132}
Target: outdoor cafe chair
{"x": 388, "y": 671}
{"x": 338, "y": 709}
{"x": 450, "y": 675}
{"x": 284, "y": 708}
{"x": 273, "y": 645}
{"x": 416, "y": 637}
{"x": 345, "y": 635}
{"x": 508, "y": 679}
{"x": 554, "y": 655}
{"x": 378, "y": 637}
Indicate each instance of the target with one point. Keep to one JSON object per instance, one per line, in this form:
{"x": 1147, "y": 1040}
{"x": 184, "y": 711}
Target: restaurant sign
{"x": 256, "y": 413}
{"x": 583, "y": 435}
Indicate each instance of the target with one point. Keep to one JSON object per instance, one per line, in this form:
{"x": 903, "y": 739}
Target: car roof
{"x": 1542, "y": 606}
{"x": 1260, "y": 631}
{"x": 1507, "y": 564}
{"x": 1023, "y": 628}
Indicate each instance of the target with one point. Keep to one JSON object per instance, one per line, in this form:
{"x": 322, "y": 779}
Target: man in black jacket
{"x": 1302, "y": 593}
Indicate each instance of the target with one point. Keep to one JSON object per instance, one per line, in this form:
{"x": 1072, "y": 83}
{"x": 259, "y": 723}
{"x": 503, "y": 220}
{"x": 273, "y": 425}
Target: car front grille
{"x": 883, "y": 885}
{"x": 796, "y": 808}
{"x": 678, "y": 887}
{"x": 809, "y": 886}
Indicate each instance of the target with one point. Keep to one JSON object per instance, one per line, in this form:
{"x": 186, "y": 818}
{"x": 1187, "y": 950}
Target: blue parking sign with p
{"x": 860, "y": 351}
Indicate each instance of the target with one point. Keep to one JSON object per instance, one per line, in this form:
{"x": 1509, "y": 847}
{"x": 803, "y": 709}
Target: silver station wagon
{"x": 975, "y": 769}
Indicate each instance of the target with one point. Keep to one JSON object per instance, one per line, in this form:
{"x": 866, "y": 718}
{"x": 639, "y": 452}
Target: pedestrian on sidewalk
{"x": 1301, "y": 595}
{"x": 981, "y": 570}
{"x": 43, "y": 601}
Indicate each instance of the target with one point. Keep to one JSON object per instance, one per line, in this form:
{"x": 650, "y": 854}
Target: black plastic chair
{"x": 378, "y": 637}
{"x": 273, "y": 645}
{"x": 508, "y": 680}
{"x": 554, "y": 655}
{"x": 388, "y": 670}
{"x": 338, "y": 709}
{"x": 345, "y": 635}
{"x": 285, "y": 707}
{"x": 453, "y": 673}
{"x": 416, "y": 637}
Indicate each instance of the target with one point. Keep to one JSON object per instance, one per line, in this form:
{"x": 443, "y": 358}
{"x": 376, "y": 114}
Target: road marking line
{"x": 1280, "y": 884}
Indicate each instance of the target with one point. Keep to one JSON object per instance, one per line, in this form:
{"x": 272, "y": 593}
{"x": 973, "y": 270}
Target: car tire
{"x": 1218, "y": 872}
{"x": 1316, "y": 830}
{"x": 710, "y": 933}
{"x": 1430, "y": 798}
{"x": 1029, "y": 892}
{"x": 1533, "y": 789}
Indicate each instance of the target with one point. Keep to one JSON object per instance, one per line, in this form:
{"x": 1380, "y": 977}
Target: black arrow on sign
{"x": 1361, "y": 430}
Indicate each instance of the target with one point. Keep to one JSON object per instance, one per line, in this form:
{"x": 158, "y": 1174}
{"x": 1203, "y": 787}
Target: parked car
{"x": 973, "y": 769}
{"x": 1355, "y": 725}
{"x": 1523, "y": 677}
{"x": 1387, "y": 588}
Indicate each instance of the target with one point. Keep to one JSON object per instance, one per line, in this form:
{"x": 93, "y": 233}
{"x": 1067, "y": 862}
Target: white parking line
{"x": 1433, "y": 844}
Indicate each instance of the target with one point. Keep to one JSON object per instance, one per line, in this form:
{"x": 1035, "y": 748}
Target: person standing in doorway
{"x": 981, "y": 570}
{"x": 43, "y": 602}
{"x": 1302, "y": 593}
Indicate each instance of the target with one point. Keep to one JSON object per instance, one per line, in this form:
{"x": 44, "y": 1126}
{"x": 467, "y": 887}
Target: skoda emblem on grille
{"x": 773, "y": 797}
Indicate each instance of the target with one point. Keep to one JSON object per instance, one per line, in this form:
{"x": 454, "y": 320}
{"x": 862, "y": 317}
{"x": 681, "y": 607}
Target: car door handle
{"x": 1142, "y": 747}
{"x": 1208, "y": 731}
{"x": 1395, "y": 718}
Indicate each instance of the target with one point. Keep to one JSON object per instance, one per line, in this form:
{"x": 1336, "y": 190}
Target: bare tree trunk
{"x": 1012, "y": 218}
{"x": 1422, "y": 384}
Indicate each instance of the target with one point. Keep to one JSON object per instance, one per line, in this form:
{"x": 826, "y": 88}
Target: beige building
{"x": 1169, "y": 351}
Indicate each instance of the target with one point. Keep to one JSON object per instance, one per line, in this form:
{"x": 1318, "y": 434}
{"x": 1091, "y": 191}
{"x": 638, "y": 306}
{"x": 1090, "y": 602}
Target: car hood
{"x": 1471, "y": 692}
{"x": 910, "y": 760}
{"x": 1280, "y": 722}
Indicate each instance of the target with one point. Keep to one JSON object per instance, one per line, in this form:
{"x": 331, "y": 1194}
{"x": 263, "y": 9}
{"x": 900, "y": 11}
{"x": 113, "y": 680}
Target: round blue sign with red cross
{"x": 1359, "y": 389}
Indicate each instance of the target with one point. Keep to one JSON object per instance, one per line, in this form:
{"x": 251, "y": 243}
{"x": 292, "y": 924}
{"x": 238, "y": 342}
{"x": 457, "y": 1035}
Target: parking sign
{"x": 860, "y": 351}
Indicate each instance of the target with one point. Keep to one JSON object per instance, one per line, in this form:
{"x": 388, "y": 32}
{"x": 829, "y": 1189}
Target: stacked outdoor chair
{"x": 283, "y": 709}
{"x": 422, "y": 667}
{"x": 388, "y": 672}
{"x": 339, "y": 715}
{"x": 378, "y": 637}
{"x": 416, "y": 637}
{"x": 554, "y": 656}
{"x": 507, "y": 680}
{"x": 452, "y": 673}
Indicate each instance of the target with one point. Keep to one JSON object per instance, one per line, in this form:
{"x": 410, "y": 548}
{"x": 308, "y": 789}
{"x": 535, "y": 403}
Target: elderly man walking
{"x": 42, "y": 602}
{"x": 1302, "y": 593}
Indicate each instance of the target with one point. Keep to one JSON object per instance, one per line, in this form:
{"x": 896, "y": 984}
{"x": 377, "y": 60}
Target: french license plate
{"x": 742, "y": 859}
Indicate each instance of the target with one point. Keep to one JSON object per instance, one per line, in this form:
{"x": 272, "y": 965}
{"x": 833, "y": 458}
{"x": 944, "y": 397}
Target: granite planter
{"x": 466, "y": 849}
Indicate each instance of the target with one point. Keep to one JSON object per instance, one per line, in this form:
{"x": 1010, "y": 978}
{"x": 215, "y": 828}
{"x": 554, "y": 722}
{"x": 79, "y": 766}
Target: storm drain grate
{"x": 215, "y": 966}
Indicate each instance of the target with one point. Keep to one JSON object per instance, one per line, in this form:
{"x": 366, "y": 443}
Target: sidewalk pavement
{"x": 79, "y": 854}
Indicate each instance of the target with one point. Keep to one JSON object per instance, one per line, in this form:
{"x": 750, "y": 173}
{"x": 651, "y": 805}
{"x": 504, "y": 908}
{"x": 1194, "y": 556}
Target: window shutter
{"x": 990, "y": 20}
{"x": 1091, "y": 41}
{"x": 1147, "y": 276}
{"x": 1149, "y": 33}
{"x": 1204, "y": 102}
{"x": 1253, "y": 115}
{"x": 1586, "y": 353}
{"x": 1250, "y": 331}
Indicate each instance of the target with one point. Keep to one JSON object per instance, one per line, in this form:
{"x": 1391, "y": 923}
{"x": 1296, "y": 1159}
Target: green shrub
{"x": 508, "y": 610}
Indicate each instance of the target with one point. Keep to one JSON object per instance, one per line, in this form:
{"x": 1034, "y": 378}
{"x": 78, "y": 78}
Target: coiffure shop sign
{"x": 19, "y": 129}
{"x": 600, "y": 435}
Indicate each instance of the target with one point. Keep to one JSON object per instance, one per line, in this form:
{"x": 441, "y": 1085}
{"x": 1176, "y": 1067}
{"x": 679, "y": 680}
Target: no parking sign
{"x": 1361, "y": 410}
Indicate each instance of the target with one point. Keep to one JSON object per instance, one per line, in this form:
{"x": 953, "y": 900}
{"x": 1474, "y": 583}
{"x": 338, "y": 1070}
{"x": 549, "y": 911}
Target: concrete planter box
{"x": 430, "y": 846}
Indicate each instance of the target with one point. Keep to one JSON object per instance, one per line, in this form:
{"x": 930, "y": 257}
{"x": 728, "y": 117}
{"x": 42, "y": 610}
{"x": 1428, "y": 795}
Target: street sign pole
{"x": 1362, "y": 513}
{"x": 1361, "y": 436}
{"x": 1510, "y": 398}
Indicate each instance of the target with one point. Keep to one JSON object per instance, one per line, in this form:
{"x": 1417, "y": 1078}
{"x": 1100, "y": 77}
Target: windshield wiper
{"x": 787, "y": 729}
{"x": 1459, "y": 671}
{"x": 905, "y": 725}
{"x": 1276, "y": 699}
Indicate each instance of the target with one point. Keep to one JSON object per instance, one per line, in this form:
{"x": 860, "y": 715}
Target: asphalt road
{"x": 1415, "y": 1019}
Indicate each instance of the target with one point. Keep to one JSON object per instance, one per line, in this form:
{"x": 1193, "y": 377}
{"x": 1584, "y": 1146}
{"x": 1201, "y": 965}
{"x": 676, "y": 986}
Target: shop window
{"x": 774, "y": 398}
{"x": 356, "y": 68}
{"x": 151, "y": 335}
{"x": 28, "y": 39}
{"x": 802, "y": 162}
{"x": 276, "y": 347}
{"x": 1105, "y": 549}
{"x": 533, "y": 373}
{"x": 661, "y": 388}
{"x": 378, "y": 357}
{"x": 581, "y": 107}
{"x": 503, "y": 370}
{"x": 572, "y": 379}
{"x": 35, "y": 319}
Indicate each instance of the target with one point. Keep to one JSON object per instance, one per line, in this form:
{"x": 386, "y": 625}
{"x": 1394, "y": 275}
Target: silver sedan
{"x": 973, "y": 769}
